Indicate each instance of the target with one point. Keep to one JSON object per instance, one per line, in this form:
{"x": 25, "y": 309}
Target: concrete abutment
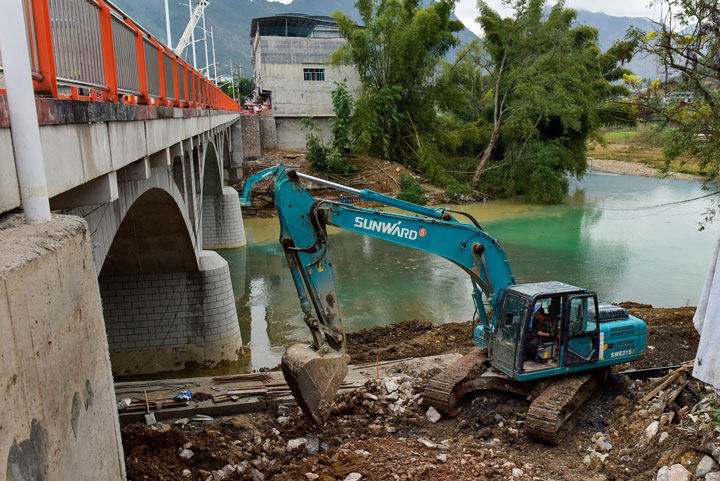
{"x": 59, "y": 415}
{"x": 162, "y": 322}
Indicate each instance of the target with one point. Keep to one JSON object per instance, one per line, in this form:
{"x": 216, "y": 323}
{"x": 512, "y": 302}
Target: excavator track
{"x": 547, "y": 418}
{"x": 445, "y": 390}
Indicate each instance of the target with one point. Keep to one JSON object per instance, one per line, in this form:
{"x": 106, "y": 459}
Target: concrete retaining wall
{"x": 291, "y": 134}
{"x": 161, "y": 322}
{"x": 222, "y": 223}
{"x": 59, "y": 416}
{"x": 250, "y": 136}
{"x": 268, "y": 132}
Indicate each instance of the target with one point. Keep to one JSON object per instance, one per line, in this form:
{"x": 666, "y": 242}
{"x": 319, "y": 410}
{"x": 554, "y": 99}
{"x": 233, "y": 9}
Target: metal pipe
{"x": 167, "y": 24}
{"x": 207, "y": 60}
{"x": 23, "y": 116}
{"x": 327, "y": 183}
{"x": 212, "y": 36}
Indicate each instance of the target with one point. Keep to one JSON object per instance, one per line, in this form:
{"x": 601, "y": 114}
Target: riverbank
{"x": 624, "y": 167}
{"x": 383, "y": 435}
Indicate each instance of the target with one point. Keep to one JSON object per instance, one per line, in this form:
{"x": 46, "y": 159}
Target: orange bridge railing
{"x": 91, "y": 50}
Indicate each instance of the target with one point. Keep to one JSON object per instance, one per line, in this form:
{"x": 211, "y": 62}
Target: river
{"x": 624, "y": 237}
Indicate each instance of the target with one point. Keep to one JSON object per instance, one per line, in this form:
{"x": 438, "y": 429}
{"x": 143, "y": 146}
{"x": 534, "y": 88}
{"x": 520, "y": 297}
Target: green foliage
{"x": 342, "y": 105}
{"x": 544, "y": 85}
{"x": 412, "y": 191}
{"x": 328, "y": 158}
{"x": 242, "y": 88}
{"x": 396, "y": 54}
{"x": 688, "y": 46}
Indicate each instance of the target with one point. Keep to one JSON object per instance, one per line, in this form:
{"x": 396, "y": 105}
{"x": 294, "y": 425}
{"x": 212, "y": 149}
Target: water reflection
{"x": 604, "y": 238}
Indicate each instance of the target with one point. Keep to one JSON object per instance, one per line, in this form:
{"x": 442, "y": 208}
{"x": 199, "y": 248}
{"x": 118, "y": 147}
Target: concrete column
{"x": 222, "y": 223}
{"x": 268, "y": 132}
{"x": 251, "y": 136}
{"x": 59, "y": 416}
{"x": 160, "y": 322}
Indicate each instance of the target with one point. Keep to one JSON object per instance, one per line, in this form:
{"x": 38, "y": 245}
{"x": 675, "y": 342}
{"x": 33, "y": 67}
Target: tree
{"x": 396, "y": 54}
{"x": 686, "y": 100}
{"x": 242, "y": 88}
{"x": 544, "y": 88}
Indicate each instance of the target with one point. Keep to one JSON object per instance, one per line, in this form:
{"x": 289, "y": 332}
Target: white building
{"x": 290, "y": 57}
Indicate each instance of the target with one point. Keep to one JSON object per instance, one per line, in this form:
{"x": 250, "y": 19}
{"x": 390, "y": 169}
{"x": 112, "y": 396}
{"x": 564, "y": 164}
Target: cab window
{"x": 582, "y": 316}
{"x": 511, "y": 318}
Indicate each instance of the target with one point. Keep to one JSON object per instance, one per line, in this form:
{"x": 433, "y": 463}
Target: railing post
{"x": 161, "y": 71}
{"x": 43, "y": 44}
{"x": 108, "y": 48}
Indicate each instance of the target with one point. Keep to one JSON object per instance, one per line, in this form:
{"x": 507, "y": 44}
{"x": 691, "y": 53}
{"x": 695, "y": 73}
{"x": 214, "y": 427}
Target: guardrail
{"x": 91, "y": 50}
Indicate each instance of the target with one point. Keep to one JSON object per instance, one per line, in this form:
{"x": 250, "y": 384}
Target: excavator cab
{"x": 569, "y": 323}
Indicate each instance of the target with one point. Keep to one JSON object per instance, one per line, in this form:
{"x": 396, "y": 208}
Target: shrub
{"x": 412, "y": 191}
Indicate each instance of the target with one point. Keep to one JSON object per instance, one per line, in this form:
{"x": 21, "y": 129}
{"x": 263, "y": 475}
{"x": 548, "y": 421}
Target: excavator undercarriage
{"x": 553, "y": 401}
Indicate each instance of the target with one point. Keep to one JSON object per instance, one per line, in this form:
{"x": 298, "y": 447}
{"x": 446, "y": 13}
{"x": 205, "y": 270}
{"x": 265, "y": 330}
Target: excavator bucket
{"x": 314, "y": 379}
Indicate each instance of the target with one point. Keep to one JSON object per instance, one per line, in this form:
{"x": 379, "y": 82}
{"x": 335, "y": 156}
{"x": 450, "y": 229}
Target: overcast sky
{"x": 467, "y": 11}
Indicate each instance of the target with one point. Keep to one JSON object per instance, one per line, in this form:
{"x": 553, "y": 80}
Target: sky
{"x": 466, "y": 10}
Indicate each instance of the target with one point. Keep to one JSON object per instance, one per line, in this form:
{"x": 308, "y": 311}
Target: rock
{"x": 441, "y": 457}
{"x": 404, "y": 378}
{"x": 652, "y": 430}
{"x": 311, "y": 476}
{"x": 187, "y": 473}
{"x": 432, "y": 415}
{"x": 663, "y": 474}
{"x": 376, "y": 429}
{"x": 587, "y": 460}
{"x": 283, "y": 420}
{"x": 186, "y": 454}
{"x": 393, "y": 396}
{"x": 498, "y": 417}
{"x": 313, "y": 444}
{"x": 390, "y": 387}
{"x": 257, "y": 475}
{"x": 296, "y": 445}
{"x": 678, "y": 472}
{"x": 228, "y": 469}
{"x": 218, "y": 476}
{"x": 706, "y": 465}
{"x": 714, "y": 476}
{"x": 390, "y": 429}
{"x": 427, "y": 443}
{"x": 517, "y": 473}
{"x": 603, "y": 445}
{"x": 353, "y": 477}
{"x": 283, "y": 410}
{"x": 369, "y": 396}
{"x": 663, "y": 437}
{"x": 513, "y": 432}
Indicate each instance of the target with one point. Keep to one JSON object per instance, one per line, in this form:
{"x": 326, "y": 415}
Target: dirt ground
{"x": 383, "y": 434}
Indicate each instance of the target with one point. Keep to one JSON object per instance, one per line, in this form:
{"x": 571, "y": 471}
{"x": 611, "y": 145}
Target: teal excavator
{"x": 557, "y": 372}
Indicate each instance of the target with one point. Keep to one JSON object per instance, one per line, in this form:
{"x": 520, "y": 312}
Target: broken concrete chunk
{"x": 432, "y": 415}
{"x": 706, "y": 465}
{"x": 296, "y": 445}
{"x": 442, "y": 458}
{"x": 257, "y": 475}
{"x": 283, "y": 410}
{"x": 313, "y": 444}
{"x": 652, "y": 430}
{"x": 187, "y": 473}
{"x": 353, "y": 477}
{"x": 714, "y": 476}
{"x": 283, "y": 420}
{"x": 517, "y": 473}
{"x": 663, "y": 437}
{"x": 390, "y": 386}
{"x": 369, "y": 396}
{"x": 427, "y": 443}
{"x": 311, "y": 476}
{"x": 186, "y": 454}
{"x": 678, "y": 472}
{"x": 603, "y": 445}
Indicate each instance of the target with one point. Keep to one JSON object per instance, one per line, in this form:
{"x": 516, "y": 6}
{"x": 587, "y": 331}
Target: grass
{"x": 643, "y": 145}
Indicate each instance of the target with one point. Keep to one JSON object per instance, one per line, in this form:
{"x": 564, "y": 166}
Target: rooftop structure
{"x": 291, "y": 55}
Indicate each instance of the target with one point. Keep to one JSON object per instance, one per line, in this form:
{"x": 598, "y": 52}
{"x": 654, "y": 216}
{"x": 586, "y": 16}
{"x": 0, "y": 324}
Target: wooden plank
{"x": 670, "y": 379}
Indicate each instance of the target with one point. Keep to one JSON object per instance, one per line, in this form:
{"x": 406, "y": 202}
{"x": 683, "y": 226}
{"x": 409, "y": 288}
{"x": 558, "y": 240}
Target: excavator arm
{"x": 314, "y": 372}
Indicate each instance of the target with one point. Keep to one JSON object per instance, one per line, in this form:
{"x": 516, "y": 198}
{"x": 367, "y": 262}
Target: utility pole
{"x": 192, "y": 36}
{"x": 212, "y": 36}
{"x": 232, "y": 81}
{"x": 238, "y": 67}
{"x": 207, "y": 62}
{"x": 167, "y": 24}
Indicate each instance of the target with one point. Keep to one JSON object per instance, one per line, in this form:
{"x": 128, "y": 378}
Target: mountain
{"x": 611, "y": 29}
{"x": 230, "y": 20}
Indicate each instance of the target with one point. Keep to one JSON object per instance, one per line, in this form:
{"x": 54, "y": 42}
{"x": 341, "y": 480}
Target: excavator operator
{"x": 541, "y": 331}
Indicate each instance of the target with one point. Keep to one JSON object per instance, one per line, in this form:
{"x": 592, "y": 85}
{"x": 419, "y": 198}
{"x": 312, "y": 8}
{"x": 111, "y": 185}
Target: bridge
{"x": 100, "y": 120}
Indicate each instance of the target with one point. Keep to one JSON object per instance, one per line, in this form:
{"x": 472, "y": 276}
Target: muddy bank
{"x": 382, "y": 430}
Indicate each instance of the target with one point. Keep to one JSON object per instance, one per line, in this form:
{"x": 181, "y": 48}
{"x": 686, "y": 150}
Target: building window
{"x": 314, "y": 74}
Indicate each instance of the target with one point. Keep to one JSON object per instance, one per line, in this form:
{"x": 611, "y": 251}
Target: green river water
{"x": 607, "y": 237}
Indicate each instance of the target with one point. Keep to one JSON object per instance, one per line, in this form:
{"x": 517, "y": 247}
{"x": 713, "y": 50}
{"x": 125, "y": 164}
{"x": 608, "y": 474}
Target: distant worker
{"x": 541, "y": 331}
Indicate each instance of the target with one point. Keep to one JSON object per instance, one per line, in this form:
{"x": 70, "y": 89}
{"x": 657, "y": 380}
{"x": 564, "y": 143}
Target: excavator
{"x": 558, "y": 371}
